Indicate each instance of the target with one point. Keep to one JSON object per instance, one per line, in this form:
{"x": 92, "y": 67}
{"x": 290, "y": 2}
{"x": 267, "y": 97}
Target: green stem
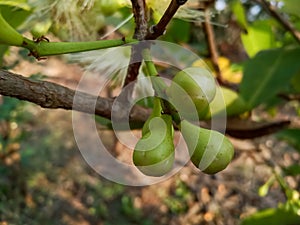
{"x": 149, "y": 62}
{"x": 284, "y": 186}
{"x": 159, "y": 87}
{"x": 158, "y": 84}
{"x": 44, "y": 48}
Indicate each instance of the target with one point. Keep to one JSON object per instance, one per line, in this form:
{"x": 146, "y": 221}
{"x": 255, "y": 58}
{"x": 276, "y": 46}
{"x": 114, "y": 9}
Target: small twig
{"x": 140, "y": 17}
{"x": 160, "y": 28}
{"x": 290, "y": 97}
{"x": 142, "y": 33}
{"x": 211, "y": 41}
{"x": 212, "y": 47}
{"x": 141, "y": 21}
{"x": 272, "y": 10}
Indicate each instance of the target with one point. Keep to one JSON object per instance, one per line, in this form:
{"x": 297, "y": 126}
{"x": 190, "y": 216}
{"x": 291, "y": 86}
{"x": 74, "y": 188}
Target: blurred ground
{"x": 47, "y": 181}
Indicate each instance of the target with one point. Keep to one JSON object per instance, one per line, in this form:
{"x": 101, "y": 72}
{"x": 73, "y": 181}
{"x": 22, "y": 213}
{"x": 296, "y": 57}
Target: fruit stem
{"x": 157, "y": 107}
{"x": 45, "y": 48}
{"x": 159, "y": 86}
{"x": 284, "y": 186}
{"x": 149, "y": 62}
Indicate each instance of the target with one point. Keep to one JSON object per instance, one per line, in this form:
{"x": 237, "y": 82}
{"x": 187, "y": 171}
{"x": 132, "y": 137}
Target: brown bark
{"x": 140, "y": 16}
{"x": 50, "y": 95}
{"x": 272, "y": 10}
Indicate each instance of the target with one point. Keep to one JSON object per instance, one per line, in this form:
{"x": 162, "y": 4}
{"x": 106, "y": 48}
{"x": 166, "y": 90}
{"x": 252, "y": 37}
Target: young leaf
{"x": 268, "y": 73}
{"x": 292, "y": 136}
{"x": 292, "y": 7}
{"x": 295, "y": 82}
{"x": 178, "y": 31}
{"x": 292, "y": 170}
{"x": 16, "y": 3}
{"x": 3, "y": 49}
{"x": 272, "y": 216}
{"x": 14, "y": 16}
{"x": 260, "y": 36}
{"x": 239, "y": 12}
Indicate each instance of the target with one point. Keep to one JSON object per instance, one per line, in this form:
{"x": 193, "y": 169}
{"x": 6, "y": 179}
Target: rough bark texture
{"x": 139, "y": 12}
{"x": 272, "y": 10}
{"x": 160, "y": 28}
{"x": 51, "y": 95}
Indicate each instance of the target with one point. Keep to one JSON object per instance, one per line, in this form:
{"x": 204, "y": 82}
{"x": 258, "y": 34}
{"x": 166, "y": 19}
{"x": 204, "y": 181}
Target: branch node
{"x": 40, "y": 39}
{"x": 181, "y": 2}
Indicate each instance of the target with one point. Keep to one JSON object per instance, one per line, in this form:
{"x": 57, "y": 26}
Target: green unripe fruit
{"x": 154, "y": 153}
{"x": 191, "y": 92}
{"x": 156, "y": 112}
{"x": 210, "y": 151}
{"x": 227, "y": 101}
{"x": 8, "y": 35}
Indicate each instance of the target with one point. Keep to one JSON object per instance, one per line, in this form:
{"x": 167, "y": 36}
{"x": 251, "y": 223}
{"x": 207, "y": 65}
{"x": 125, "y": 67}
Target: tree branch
{"x": 142, "y": 33}
{"x": 289, "y": 97}
{"x": 272, "y": 10}
{"x": 160, "y": 28}
{"x": 210, "y": 37}
{"x": 141, "y": 21}
{"x": 247, "y": 129}
{"x": 50, "y": 95}
{"x": 212, "y": 47}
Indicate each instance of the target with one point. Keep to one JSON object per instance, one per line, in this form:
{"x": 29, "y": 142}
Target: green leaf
{"x": 14, "y": 16}
{"x": 103, "y": 121}
{"x": 178, "y": 31}
{"x": 291, "y": 7}
{"x": 296, "y": 82}
{"x": 3, "y": 49}
{"x": 260, "y": 36}
{"x": 268, "y": 73}
{"x": 292, "y": 136}
{"x": 8, "y": 107}
{"x": 107, "y": 124}
{"x": 292, "y": 170}
{"x": 272, "y": 216}
{"x": 16, "y": 3}
{"x": 239, "y": 12}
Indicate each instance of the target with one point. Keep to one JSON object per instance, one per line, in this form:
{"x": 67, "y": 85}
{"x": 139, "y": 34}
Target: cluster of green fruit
{"x": 191, "y": 93}
{"x": 192, "y": 90}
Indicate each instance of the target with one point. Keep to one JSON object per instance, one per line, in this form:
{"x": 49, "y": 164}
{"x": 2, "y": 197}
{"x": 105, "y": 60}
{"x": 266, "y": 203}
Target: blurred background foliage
{"x": 43, "y": 178}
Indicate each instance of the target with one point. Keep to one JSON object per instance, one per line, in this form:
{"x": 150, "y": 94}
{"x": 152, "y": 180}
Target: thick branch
{"x": 54, "y": 96}
{"x": 246, "y": 129}
{"x": 286, "y": 24}
{"x": 51, "y": 95}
